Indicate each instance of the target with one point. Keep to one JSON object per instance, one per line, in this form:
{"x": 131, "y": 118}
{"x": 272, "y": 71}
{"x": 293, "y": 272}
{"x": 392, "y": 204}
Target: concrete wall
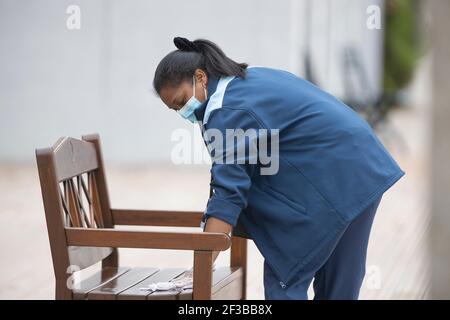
{"x": 55, "y": 81}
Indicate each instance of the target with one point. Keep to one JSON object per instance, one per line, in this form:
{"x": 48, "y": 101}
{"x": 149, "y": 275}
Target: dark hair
{"x": 180, "y": 65}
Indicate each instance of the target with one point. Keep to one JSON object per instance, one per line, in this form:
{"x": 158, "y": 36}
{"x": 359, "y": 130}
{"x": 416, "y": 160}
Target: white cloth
{"x": 180, "y": 283}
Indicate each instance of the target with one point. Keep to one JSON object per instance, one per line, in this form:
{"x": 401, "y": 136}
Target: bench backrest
{"x": 75, "y": 194}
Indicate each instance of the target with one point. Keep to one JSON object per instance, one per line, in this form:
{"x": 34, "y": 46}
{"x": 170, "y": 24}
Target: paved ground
{"x": 397, "y": 259}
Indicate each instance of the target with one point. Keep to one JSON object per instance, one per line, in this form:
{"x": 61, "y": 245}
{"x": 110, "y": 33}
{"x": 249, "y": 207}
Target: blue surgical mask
{"x": 191, "y": 105}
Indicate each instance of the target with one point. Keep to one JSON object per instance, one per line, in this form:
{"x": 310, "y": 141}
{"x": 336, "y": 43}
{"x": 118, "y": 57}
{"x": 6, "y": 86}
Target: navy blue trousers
{"x": 339, "y": 271}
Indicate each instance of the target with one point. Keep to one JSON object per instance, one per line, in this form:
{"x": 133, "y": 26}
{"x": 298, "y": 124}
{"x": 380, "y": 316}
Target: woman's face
{"x": 176, "y": 97}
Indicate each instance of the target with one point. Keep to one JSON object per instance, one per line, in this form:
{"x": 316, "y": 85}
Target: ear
{"x": 201, "y": 77}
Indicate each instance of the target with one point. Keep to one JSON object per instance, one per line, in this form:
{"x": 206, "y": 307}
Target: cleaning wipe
{"x": 180, "y": 283}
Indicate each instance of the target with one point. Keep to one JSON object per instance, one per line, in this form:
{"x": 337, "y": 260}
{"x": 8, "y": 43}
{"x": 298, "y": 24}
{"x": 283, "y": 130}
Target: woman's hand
{"x": 216, "y": 225}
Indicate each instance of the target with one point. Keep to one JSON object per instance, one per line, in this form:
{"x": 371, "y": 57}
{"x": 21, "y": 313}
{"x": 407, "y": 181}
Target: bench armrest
{"x": 208, "y": 241}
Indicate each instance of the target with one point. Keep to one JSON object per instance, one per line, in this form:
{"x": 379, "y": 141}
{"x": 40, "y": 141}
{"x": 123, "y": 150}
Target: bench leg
{"x": 238, "y": 258}
{"x": 202, "y": 277}
{"x": 62, "y": 292}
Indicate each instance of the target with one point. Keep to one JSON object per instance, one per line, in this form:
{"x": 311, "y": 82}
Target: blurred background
{"x": 69, "y": 68}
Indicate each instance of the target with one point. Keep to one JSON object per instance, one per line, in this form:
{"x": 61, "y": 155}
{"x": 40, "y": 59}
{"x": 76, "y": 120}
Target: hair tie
{"x": 184, "y": 44}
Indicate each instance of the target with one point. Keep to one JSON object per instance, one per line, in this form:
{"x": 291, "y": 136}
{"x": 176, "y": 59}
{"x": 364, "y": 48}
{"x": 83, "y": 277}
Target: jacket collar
{"x": 212, "y": 86}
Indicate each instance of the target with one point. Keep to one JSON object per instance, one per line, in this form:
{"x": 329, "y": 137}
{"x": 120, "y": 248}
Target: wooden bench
{"x": 80, "y": 223}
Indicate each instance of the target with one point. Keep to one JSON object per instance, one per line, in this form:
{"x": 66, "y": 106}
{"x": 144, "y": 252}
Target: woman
{"x": 311, "y": 219}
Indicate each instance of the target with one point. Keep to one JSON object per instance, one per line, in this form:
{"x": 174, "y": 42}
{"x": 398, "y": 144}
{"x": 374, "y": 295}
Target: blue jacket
{"x": 331, "y": 166}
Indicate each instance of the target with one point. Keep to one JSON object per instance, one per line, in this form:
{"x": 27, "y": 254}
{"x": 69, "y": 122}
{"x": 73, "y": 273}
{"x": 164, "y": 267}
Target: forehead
{"x": 172, "y": 96}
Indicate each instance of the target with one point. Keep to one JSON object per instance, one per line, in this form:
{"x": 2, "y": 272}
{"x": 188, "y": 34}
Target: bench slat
{"x": 222, "y": 276}
{"x": 109, "y": 290}
{"x": 166, "y": 274}
{"x": 107, "y": 274}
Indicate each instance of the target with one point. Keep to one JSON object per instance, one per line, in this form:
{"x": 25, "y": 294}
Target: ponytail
{"x": 180, "y": 65}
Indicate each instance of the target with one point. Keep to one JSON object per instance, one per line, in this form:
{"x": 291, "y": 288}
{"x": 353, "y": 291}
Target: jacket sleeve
{"x": 231, "y": 177}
